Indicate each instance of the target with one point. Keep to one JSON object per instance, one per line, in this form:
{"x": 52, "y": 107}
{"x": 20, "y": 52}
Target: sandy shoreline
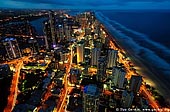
{"x": 150, "y": 75}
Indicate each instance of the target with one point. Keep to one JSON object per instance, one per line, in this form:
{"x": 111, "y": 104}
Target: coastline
{"x": 150, "y": 74}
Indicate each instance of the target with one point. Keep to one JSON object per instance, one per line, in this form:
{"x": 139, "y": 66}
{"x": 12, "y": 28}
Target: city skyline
{"x": 85, "y": 61}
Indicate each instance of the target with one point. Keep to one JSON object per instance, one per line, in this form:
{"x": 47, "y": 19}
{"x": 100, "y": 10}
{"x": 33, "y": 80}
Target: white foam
{"x": 148, "y": 54}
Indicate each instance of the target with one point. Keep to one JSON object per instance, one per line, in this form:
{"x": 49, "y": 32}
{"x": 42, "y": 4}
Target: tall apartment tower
{"x": 95, "y": 56}
{"x": 12, "y": 48}
{"x": 90, "y": 98}
{"x": 112, "y": 58}
{"x": 80, "y": 52}
{"x": 101, "y": 69}
{"x": 127, "y": 99}
{"x": 118, "y": 76}
{"x": 68, "y": 31}
{"x": 52, "y": 27}
{"x": 60, "y": 32}
{"x": 135, "y": 83}
{"x": 47, "y": 33}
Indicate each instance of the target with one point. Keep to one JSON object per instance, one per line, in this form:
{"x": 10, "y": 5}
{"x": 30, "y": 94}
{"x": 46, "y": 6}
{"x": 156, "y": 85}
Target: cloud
{"x": 85, "y": 4}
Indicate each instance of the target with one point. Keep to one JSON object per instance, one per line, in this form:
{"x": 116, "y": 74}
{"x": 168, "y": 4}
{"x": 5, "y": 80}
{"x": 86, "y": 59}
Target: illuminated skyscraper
{"x": 74, "y": 75}
{"x": 68, "y": 22}
{"x": 127, "y": 99}
{"x": 33, "y": 44}
{"x": 60, "y": 32}
{"x": 112, "y": 58}
{"x": 12, "y": 48}
{"x": 90, "y": 98}
{"x": 48, "y": 36}
{"x": 101, "y": 69}
{"x": 118, "y": 76}
{"x": 64, "y": 56}
{"x": 95, "y": 56}
{"x": 135, "y": 83}
{"x": 52, "y": 27}
{"x": 80, "y": 52}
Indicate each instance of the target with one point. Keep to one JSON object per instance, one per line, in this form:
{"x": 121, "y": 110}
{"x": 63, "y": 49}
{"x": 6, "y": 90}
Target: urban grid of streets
{"x": 60, "y": 107}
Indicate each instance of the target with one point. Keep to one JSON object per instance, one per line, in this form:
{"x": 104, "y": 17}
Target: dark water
{"x": 38, "y": 24}
{"x": 149, "y": 30}
{"x": 155, "y": 24}
{"x": 145, "y": 35}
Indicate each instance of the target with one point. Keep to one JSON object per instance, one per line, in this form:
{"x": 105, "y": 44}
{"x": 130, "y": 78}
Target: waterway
{"x": 38, "y": 24}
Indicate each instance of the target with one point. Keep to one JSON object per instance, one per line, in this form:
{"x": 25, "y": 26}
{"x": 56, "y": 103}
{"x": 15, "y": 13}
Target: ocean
{"x": 154, "y": 24}
{"x": 145, "y": 35}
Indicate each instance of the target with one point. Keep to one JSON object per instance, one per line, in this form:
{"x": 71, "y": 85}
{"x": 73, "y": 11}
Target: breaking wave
{"x": 155, "y": 54}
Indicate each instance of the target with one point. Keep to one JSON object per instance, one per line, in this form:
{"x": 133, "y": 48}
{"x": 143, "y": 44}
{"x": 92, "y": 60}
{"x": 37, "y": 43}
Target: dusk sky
{"x": 86, "y": 4}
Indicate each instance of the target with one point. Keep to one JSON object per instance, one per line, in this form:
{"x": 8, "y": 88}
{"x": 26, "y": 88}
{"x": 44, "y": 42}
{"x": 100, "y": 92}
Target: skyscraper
{"x": 33, "y": 44}
{"x": 80, "y": 52}
{"x": 48, "y": 37}
{"x": 112, "y": 58}
{"x": 118, "y": 76}
{"x": 95, "y": 56}
{"x": 101, "y": 69}
{"x": 127, "y": 99}
{"x": 12, "y": 48}
{"x": 68, "y": 32}
{"x": 135, "y": 83}
{"x": 52, "y": 27}
{"x": 60, "y": 32}
{"x": 74, "y": 75}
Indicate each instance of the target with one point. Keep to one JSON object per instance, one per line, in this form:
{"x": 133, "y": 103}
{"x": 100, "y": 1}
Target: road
{"x": 61, "y": 104}
{"x": 149, "y": 97}
{"x": 14, "y": 84}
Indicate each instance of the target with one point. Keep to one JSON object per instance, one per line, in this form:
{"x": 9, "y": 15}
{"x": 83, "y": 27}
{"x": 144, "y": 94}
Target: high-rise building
{"x": 60, "y": 32}
{"x": 118, "y": 76}
{"x": 101, "y": 69}
{"x": 112, "y": 58}
{"x": 90, "y": 98}
{"x": 74, "y": 75}
{"x": 52, "y": 27}
{"x": 135, "y": 83}
{"x": 127, "y": 99}
{"x": 12, "y": 48}
{"x": 95, "y": 54}
{"x": 68, "y": 32}
{"x": 64, "y": 56}
{"x": 33, "y": 44}
{"x": 97, "y": 28}
{"x": 80, "y": 52}
{"x": 48, "y": 36}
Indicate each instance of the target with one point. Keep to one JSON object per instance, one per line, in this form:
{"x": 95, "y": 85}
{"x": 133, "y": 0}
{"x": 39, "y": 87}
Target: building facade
{"x": 95, "y": 54}
{"x": 127, "y": 99}
{"x": 112, "y": 58}
{"x": 118, "y": 76}
{"x": 135, "y": 83}
{"x": 12, "y": 48}
{"x": 80, "y": 52}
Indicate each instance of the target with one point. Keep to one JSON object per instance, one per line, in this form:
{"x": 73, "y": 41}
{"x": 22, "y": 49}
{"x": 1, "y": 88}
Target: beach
{"x": 143, "y": 59}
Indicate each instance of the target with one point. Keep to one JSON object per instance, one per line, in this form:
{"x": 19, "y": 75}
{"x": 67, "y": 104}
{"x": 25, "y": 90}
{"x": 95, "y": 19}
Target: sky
{"x": 86, "y": 4}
